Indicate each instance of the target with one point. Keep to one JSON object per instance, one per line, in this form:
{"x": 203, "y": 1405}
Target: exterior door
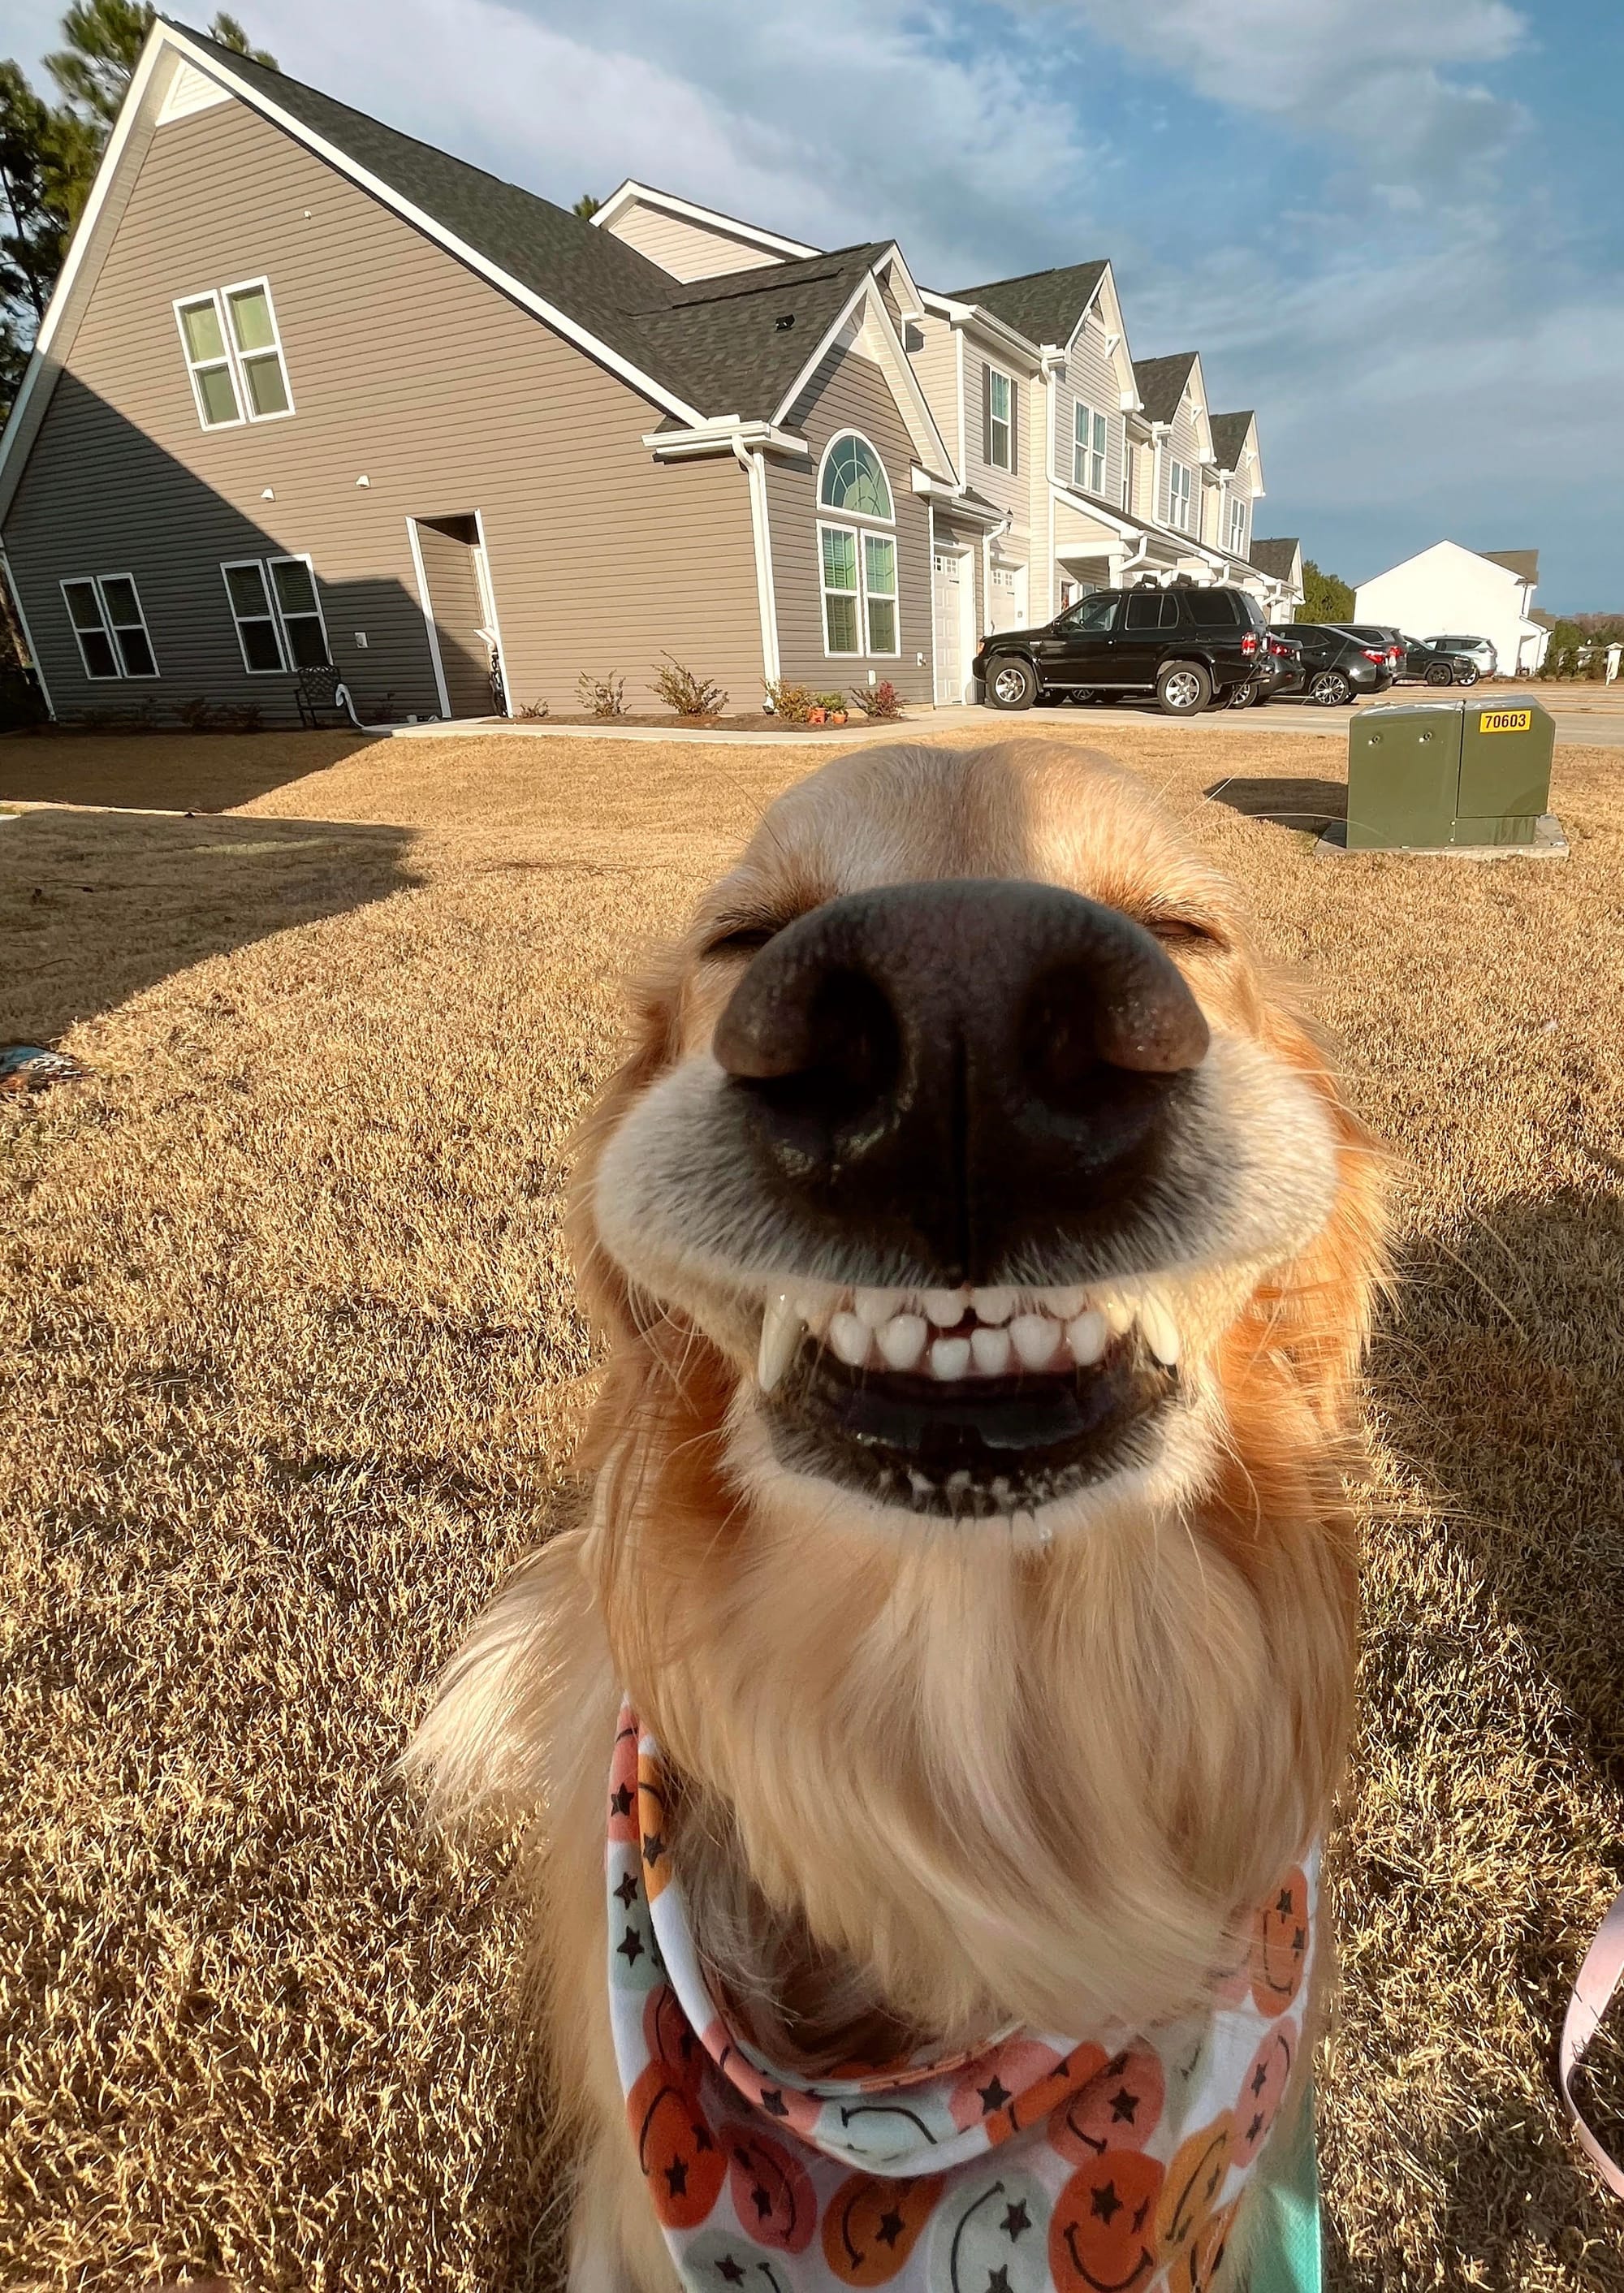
{"x": 1136, "y": 648}
{"x": 457, "y": 603}
{"x": 951, "y": 576}
{"x": 1007, "y": 598}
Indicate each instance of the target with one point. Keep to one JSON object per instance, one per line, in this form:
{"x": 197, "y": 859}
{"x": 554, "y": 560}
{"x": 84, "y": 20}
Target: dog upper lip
{"x": 953, "y": 1334}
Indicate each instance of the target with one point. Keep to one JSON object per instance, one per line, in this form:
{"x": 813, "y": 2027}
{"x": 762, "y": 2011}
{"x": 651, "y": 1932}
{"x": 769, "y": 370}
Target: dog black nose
{"x": 954, "y": 1075}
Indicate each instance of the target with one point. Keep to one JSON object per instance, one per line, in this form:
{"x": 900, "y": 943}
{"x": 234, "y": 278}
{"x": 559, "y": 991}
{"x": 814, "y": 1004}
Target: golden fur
{"x": 937, "y": 1777}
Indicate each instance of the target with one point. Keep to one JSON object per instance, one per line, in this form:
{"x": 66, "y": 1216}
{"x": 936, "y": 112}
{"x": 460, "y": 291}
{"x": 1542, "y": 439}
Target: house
{"x": 312, "y": 393}
{"x": 1280, "y": 561}
{"x": 1451, "y": 591}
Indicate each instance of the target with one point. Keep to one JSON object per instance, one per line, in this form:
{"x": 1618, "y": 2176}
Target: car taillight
{"x": 1371, "y": 654}
{"x": 1249, "y": 643}
{"x": 1277, "y": 648}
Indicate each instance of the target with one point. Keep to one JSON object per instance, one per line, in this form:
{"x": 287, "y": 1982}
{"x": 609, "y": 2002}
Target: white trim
{"x": 723, "y": 434}
{"x": 1095, "y": 414}
{"x": 861, "y": 535}
{"x": 887, "y": 517}
{"x": 428, "y": 619}
{"x": 109, "y": 628}
{"x": 233, "y": 353}
{"x": 962, "y": 465}
{"x": 631, "y": 194}
{"x": 229, "y": 565}
{"x": 8, "y": 575}
{"x": 189, "y": 92}
{"x": 243, "y": 286}
{"x": 754, "y": 465}
{"x": 180, "y": 305}
{"x": 487, "y": 586}
{"x": 298, "y": 557}
{"x": 908, "y": 396}
{"x": 1187, "y": 531}
{"x": 1010, "y": 468}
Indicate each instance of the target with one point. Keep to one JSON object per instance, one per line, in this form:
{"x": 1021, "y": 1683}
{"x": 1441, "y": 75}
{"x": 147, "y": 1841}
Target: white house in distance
{"x": 1449, "y": 591}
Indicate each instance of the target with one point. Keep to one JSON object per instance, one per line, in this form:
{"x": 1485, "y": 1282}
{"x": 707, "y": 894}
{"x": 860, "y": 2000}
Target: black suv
{"x": 1186, "y": 646}
{"x": 1338, "y": 665}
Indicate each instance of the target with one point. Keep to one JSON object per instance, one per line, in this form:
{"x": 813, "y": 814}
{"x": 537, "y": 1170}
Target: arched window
{"x": 854, "y": 479}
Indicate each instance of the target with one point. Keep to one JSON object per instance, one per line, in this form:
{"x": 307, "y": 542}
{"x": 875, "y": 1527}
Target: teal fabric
{"x": 1287, "y": 2257}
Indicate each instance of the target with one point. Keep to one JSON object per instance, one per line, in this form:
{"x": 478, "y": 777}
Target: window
{"x": 841, "y": 601}
{"x": 1000, "y": 440}
{"x": 879, "y": 591}
{"x": 1178, "y": 496}
{"x": 1238, "y": 529}
{"x": 1093, "y": 614}
{"x": 1088, "y": 449}
{"x": 1210, "y": 609}
{"x": 854, "y": 479}
{"x": 278, "y": 615}
{"x": 859, "y": 579}
{"x": 234, "y": 354}
{"x": 110, "y": 626}
{"x": 1151, "y": 609}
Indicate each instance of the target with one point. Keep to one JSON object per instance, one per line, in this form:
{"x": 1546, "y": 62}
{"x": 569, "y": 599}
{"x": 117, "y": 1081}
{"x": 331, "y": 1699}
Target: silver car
{"x": 1477, "y": 649}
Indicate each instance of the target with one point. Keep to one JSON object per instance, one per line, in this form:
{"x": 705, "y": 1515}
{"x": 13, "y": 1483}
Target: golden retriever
{"x": 983, "y": 1253}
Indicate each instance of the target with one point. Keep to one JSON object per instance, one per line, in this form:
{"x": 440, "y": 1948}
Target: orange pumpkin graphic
{"x": 1102, "y": 2232}
{"x": 623, "y": 1790}
{"x": 1262, "y": 2090}
{"x": 1190, "y": 2194}
{"x": 872, "y": 2225}
{"x": 1279, "y": 1945}
{"x": 772, "y": 2191}
{"x": 1197, "y": 2268}
{"x": 682, "y": 2161}
{"x": 1010, "y": 2089}
{"x": 1119, "y": 2109}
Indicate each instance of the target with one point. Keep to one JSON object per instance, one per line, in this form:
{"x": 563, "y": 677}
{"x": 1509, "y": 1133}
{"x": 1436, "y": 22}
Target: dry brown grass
{"x": 291, "y": 1375}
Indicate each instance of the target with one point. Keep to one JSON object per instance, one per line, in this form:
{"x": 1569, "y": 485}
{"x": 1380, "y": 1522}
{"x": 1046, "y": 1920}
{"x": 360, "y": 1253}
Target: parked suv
{"x": 1186, "y": 646}
{"x": 1477, "y": 649}
{"x": 1336, "y": 666}
{"x": 1423, "y": 664}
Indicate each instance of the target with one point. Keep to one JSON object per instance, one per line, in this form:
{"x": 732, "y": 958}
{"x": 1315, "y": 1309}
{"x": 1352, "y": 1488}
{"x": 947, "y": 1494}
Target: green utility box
{"x": 1430, "y": 774}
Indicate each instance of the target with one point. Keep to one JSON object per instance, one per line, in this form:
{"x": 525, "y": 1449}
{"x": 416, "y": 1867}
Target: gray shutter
{"x": 987, "y": 414}
{"x": 1014, "y": 426}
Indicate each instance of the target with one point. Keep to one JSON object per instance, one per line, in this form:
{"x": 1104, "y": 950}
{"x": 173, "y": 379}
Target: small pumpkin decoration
{"x": 816, "y": 716}
{"x": 1119, "y": 2108}
{"x": 1279, "y": 1945}
{"x": 683, "y": 2163}
{"x": 872, "y": 2223}
{"x": 771, "y": 2189}
{"x": 1103, "y": 2235}
{"x": 1262, "y": 2090}
{"x": 1190, "y": 2193}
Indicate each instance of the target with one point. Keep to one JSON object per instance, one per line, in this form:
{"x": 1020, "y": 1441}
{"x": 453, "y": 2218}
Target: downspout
{"x": 753, "y": 463}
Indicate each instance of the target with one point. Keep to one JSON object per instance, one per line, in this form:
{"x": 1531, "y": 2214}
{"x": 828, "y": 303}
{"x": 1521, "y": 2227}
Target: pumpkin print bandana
{"x": 1042, "y": 2164}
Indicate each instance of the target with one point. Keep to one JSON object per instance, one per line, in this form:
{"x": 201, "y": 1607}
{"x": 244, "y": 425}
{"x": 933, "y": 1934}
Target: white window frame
{"x": 891, "y": 597}
{"x": 995, "y": 375}
{"x": 1238, "y": 529}
{"x": 840, "y": 516}
{"x": 1085, "y": 451}
{"x": 288, "y": 667}
{"x": 110, "y": 629}
{"x": 878, "y": 530}
{"x": 1179, "y": 499}
{"x": 221, "y": 297}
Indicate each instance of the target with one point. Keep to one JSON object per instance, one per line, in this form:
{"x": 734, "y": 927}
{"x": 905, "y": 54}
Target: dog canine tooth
{"x": 990, "y": 1351}
{"x": 946, "y": 1307}
{"x": 1035, "y": 1337}
{"x": 875, "y": 1307}
{"x": 992, "y": 1306}
{"x": 1088, "y": 1335}
{"x": 901, "y": 1341}
{"x": 1161, "y": 1330}
{"x": 949, "y": 1357}
{"x": 781, "y": 1328}
{"x": 1118, "y": 1311}
{"x": 849, "y": 1339}
{"x": 1063, "y": 1304}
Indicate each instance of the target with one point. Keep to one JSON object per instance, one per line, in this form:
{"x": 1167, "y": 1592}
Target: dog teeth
{"x": 874, "y": 1306}
{"x": 1161, "y": 1330}
{"x": 1034, "y": 1338}
{"x": 901, "y": 1341}
{"x": 949, "y": 1357}
{"x": 992, "y": 1306}
{"x": 849, "y": 1339}
{"x": 946, "y": 1307}
{"x": 780, "y": 1327}
{"x": 1087, "y": 1336}
{"x": 1118, "y": 1311}
{"x": 814, "y": 1307}
{"x": 1062, "y": 1303}
{"x": 990, "y": 1350}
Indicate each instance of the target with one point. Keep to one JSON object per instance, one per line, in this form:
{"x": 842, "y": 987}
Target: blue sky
{"x": 1397, "y": 233}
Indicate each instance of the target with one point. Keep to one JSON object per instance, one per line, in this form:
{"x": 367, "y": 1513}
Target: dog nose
{"x": 951, "y": 1074}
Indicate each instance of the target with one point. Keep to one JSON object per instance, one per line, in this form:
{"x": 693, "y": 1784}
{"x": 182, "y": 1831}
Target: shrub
{"x": 605, "y": 696}
{"x": 688, "y": 694}
{"x": 534, "y": 710}
{"x": 829, "y": 703}
{"x": 793, "y": 703}
{"x": 877, "y": 700}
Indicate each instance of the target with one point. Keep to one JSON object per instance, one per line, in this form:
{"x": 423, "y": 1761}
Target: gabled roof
{"x": 726, "y": 335}
{"x": 1161, "y": 381}
{"x": 1229, "y": 436}
{"x": 1523, "y": 563}
{"x": 632, "y": 193}
{"x": 1043, "y": 305}
{"x": 1277, "y": 558}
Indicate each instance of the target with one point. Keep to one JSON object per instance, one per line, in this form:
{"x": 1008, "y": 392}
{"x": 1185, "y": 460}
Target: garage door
{"x": 1008, "y": 598}
{"x": 953, "y": 592}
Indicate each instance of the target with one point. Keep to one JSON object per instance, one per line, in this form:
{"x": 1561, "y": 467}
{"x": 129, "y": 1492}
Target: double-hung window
{"x": 1000, "y": 420}
{"x": 1238, "y": 529}
{"x": 234, "y": 354}
{"x": 1088, "y": 449}
{"x": 278, "y": 615}
{"x": 1178, "y": 496}
{"x": 857, "y": 561}
{"x": 110, "y": 626}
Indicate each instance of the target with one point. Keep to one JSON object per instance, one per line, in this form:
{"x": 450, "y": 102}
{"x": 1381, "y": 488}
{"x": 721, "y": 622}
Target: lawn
{"x": 292, "y": 1374}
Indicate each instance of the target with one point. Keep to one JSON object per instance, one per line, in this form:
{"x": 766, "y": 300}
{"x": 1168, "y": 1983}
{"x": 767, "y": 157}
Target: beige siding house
{"x": 314, "y": 400}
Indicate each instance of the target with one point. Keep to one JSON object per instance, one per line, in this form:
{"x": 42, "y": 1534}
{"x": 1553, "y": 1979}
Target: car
{"x": 1424, "y": 664}
{"x": 1287, "y": 671}
{"x": 1190, "y": 647}
{"x": 1376, "y": 632}
{"x": 1337, "y": 667}
{"x": 1479, "y": 649}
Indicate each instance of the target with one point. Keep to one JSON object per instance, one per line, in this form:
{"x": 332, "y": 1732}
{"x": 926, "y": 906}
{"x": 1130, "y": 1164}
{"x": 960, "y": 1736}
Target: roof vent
{"x": 784, "y": 322}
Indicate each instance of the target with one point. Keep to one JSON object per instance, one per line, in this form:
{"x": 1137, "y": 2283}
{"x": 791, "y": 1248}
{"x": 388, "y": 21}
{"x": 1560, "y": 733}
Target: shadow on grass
{"x": 1287, "y": 802}
{"x": 156, "y": 771}
{"x": 96, "y": 906}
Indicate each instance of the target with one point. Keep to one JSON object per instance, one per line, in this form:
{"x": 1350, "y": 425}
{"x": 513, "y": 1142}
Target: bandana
{"x": 1112, "y": 2164}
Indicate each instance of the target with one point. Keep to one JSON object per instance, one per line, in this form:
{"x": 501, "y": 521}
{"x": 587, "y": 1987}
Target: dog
{"x": 929, "y": 1727}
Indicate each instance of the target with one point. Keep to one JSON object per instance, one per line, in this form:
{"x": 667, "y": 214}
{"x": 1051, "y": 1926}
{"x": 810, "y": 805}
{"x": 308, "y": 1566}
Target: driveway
{"x": 1591, "y": 715}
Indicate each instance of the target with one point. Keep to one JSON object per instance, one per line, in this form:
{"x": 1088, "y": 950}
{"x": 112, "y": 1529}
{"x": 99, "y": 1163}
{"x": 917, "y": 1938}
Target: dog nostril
{"x": 1079, "y": 1022}
{"x": 818, "y": 1060}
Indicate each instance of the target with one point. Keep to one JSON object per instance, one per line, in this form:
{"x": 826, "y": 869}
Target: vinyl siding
{"x": 1011, "y": 491}
{"x": 1091, "y": 376}
{"x": 936, "y": 369}
{"x": 1183, "y": 445}
{"x": 406, "y": 368}
{"x": 848, "y": 392}
{"x": 687, "y": 250}
{"x": 1078, "y": 535}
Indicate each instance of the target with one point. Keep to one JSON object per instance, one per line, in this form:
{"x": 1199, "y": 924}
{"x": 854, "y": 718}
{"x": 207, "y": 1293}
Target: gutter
{"x": 723, "y": 434}
{"x": 752, "y": 461}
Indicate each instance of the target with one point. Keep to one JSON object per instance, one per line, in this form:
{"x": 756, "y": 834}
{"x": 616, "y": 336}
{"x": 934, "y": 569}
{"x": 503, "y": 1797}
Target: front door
{"x": 1007, "y": 600}
{"x": 456, "y": 605}
{"x": 954, "y": 594}
{"x": 1076, "y": 650}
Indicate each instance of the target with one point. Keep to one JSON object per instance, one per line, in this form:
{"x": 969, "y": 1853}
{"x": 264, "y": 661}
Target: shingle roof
{"x": 1160, "y": 382}
{"x": 1523, "y": 563}
{"x": 715, "y": 342}
{"x": 1043, "y": 305}
{"x": 1276, "y": 557}
{"x": 1229, "y": 436}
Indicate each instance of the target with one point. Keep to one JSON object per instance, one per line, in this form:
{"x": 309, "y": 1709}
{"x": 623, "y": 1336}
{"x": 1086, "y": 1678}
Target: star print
{"x": 1105, "y": 2203}
{"x": 677, "y": 2175}
{"x": 1299, "y": 1943}
{"x": 1125, "y": 2106}
{"x": 627, "y": 1891}
{"x": 728, "y": 2267}
{"x": 628, "y": 1947}
{"x": 620, "y": 1801}
{"x": 890, "y": 2228}
{"x": 762, "y": 2201}
{"x": 998, "y": 2281}
{"x": 702, "y": 2138}
{"x": 1016, "y": 2220}
{"x": 654, "y": 1846}
{"x": 1260, "y": 2079}
{"x": 774, "y": 2102}
{"x": 993, "y": 2096}
{"x": 1285, "y": 1906}
{"x": 1255, "y": 2129}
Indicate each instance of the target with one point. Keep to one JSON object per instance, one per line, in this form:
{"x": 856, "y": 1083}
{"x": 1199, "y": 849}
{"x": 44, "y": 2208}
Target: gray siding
{"x": 687, "y": 250}
{"x": 848, "y": 392}
{"x": 406, "y": 368}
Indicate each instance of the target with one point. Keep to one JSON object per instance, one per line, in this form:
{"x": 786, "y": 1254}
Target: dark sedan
{"x": 1337, "y": 667}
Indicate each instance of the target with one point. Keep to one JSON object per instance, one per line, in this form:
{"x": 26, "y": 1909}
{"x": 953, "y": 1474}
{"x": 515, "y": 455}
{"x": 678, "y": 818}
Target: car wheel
{"x": 1011, "y": 684}
{"x": 1441, "y": 673}
{"x": 1467, "y": 673}
{"x": 1243, "y": 696}
{"x": 1182, "y": 688}
{"x": 1331, "y": 688}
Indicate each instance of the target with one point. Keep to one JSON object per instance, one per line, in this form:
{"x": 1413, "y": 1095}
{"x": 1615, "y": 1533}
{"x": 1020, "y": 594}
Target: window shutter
{"x": 987, "y": 414}
{"x": 1014, "y": 426}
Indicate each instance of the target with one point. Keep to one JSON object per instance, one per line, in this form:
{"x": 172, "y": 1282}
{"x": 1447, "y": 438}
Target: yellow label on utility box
{"x": 1505, "y": 720}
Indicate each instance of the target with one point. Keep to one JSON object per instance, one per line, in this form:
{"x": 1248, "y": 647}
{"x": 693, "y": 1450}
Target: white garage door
{"x": 1008, "y": 599}
{"x": 954, "y": 591}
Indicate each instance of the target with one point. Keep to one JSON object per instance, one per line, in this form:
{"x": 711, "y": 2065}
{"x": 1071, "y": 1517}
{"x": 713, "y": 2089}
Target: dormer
{"x": 688, "y": 240}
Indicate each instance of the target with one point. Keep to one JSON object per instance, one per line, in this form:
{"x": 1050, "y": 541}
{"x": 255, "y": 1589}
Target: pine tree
{"x": 1325, "y": 597}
